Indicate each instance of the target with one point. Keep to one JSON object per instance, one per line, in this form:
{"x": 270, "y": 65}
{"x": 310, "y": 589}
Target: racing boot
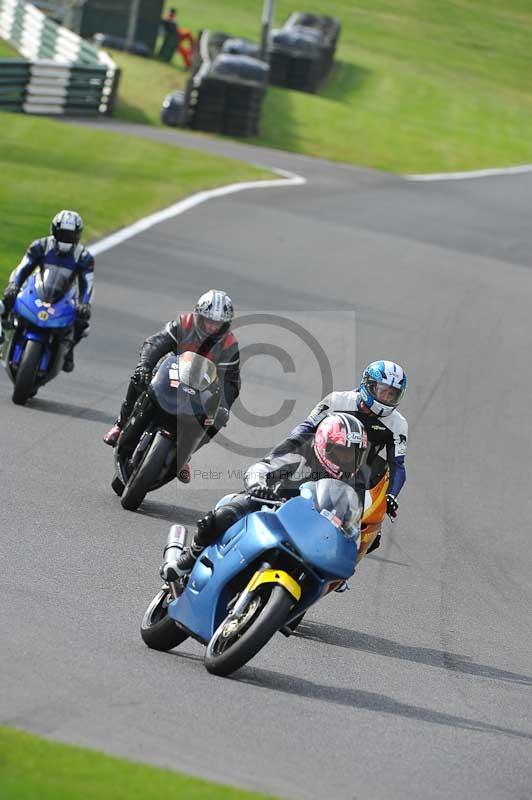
{"x": 210, "y": 528}
{"x": 206, "y": 534}
{"x": 113, "y": 434}
{"x": 68, "y": 363}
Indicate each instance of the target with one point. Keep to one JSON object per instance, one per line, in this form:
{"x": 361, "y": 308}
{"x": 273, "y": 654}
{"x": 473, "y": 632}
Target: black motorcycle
{"x": 167, "y": 423}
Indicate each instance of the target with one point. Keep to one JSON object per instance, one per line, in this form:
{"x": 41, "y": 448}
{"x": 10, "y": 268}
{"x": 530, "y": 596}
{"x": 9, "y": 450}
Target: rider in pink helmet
{"x": 340, "y": 445}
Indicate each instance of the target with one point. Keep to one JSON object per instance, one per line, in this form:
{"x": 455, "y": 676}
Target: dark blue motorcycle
{"x": 261, "y": 577}
{"x": 39, "y": 331}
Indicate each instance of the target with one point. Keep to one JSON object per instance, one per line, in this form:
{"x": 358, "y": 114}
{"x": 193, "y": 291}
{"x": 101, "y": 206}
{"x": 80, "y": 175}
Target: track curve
{"x": 417, "y": 682}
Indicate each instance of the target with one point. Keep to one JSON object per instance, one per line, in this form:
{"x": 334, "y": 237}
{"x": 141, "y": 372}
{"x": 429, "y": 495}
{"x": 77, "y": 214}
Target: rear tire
{"x": 158, "y": 631}
{"x": 146, "y": 473}
{"x": 27, "y": 373}
{"x": 224, "y": 656}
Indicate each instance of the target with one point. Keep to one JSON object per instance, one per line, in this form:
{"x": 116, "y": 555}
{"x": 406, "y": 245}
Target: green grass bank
{"x": 32, "y": 768}
{"x": 6, "y": 51}
{"x": 418, "y": 86}
{"x": 112, "y": 180}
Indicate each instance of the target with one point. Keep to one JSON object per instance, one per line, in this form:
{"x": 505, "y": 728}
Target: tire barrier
{"x": 63, "y": 74}
{"x": 173, "y": 110}
{"x": 14, "y": 77}
{"x": 302, "y": 52}
{"x": 241, "y": 47}
{"x": 224, "y": 94}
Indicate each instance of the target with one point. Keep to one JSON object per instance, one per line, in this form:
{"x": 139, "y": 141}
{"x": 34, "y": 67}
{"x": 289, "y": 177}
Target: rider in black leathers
{"x": 338, "y": 450}
{"x": 206, "y": 331}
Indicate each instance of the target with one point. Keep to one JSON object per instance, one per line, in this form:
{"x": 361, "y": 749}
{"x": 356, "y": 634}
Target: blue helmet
{"x": 382, "y": 387}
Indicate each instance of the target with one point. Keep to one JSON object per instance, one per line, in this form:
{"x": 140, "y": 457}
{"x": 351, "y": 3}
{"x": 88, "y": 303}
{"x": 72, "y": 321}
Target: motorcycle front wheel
{"x": 237, "y": 640}
{"x": 26, "y": 376}
{"x": 147, "y": 473}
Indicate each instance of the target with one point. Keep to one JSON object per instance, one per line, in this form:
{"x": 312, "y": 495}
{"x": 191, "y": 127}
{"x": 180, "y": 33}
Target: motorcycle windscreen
{"x": 195, "y": 371}
{"x": 176, "y": 397}
{"x": 318, "y": 537}
{"x": 52, "y": 283}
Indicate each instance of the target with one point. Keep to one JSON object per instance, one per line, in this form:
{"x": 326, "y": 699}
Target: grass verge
{"x": 6, "y": 51}
{"x": 31, "y": 768}
{"x": 143, "y": 86}
{"x": 417, "y": 86}
{"x": 111, "y": 179}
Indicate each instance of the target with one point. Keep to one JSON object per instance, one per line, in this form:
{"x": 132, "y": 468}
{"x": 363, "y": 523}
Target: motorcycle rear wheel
{"x": 157, "y": 629}
{"x": 227, "y": 652}
{"x": 26, "y": 376}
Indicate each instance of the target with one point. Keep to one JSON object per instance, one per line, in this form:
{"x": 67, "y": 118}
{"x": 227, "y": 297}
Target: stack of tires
{"x": 228, "y": 99}
{"x": 226, "y": 91}
{"x": 302, "y": 52}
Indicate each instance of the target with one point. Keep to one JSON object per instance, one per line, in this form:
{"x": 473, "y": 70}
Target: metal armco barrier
{"x": 63, "y": 74}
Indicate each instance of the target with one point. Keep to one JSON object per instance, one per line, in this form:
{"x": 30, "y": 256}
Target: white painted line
{"x": 479, "y": 173}
{"x": 288, "y": 179}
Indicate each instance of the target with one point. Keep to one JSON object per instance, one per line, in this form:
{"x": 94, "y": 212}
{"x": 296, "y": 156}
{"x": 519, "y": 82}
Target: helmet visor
{"x": 385, "y": 394}
{"x": 211, "y": 326}
{"x": 66, "y": 237}
{"x": 346, "y": 458}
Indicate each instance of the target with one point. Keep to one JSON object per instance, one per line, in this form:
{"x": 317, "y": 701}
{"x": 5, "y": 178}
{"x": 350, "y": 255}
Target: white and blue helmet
{"x": 382, "y": 387}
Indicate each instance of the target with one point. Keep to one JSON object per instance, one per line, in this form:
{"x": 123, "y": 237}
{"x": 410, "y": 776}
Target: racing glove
{"x": 221, "y": 418}
{"x": 263, "y": 492}
{"x": 84, "y": 312}
{"x": 142, "y": 375}
{"x": 10, "y": 295}
{"x": 391, "y": 506}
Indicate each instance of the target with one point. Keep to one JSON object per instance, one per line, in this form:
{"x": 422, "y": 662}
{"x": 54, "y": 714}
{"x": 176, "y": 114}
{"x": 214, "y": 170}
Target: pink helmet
{"x": 340, "y": 444}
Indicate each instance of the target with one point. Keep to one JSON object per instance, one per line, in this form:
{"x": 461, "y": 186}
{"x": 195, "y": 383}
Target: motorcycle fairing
{"x": 41, "y": 314}
{"x": 297, "y": 525}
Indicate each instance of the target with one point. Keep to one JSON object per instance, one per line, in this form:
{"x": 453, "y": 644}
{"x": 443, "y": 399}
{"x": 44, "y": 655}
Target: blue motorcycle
{"x": 262, "y": 576}
{"x": 39, "y": 331}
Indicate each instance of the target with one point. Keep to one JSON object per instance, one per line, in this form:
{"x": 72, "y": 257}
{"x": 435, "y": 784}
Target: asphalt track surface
{"x": 415, "y": 684}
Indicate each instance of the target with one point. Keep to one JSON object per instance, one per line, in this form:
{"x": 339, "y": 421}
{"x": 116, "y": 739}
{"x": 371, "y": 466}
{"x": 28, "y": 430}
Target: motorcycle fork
{"x": 266, "y": 574}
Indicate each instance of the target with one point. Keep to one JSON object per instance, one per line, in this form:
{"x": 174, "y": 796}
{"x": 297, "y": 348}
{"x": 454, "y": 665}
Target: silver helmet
{"x": 213, "y": 313}
{"x": 66, "y": 228}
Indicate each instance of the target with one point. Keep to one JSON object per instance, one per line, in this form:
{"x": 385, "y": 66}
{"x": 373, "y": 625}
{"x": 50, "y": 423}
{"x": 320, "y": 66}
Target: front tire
{"x": 26, "y": 377}
{"x": 158, "y": 630}
{"x": 227, "y": 652}
{"x": 146, "y": 473}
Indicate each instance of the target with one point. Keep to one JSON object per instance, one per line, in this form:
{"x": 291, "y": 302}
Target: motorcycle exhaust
{"x": 175, "y": 544}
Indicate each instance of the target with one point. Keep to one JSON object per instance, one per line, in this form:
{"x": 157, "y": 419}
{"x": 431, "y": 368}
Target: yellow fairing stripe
{"x": 275, "y": 576}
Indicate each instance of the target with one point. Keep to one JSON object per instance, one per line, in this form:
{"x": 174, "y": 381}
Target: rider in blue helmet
{"x": 382, "y": 387}
{"x": 374, "y": 403}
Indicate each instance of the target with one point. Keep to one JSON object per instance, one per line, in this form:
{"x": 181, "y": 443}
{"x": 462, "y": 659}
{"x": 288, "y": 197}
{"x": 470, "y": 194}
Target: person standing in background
{"x": 171, "y": 35}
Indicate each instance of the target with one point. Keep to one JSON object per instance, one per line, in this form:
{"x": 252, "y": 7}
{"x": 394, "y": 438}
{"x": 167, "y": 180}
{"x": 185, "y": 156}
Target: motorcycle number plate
{"x": 173, "y": 374}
